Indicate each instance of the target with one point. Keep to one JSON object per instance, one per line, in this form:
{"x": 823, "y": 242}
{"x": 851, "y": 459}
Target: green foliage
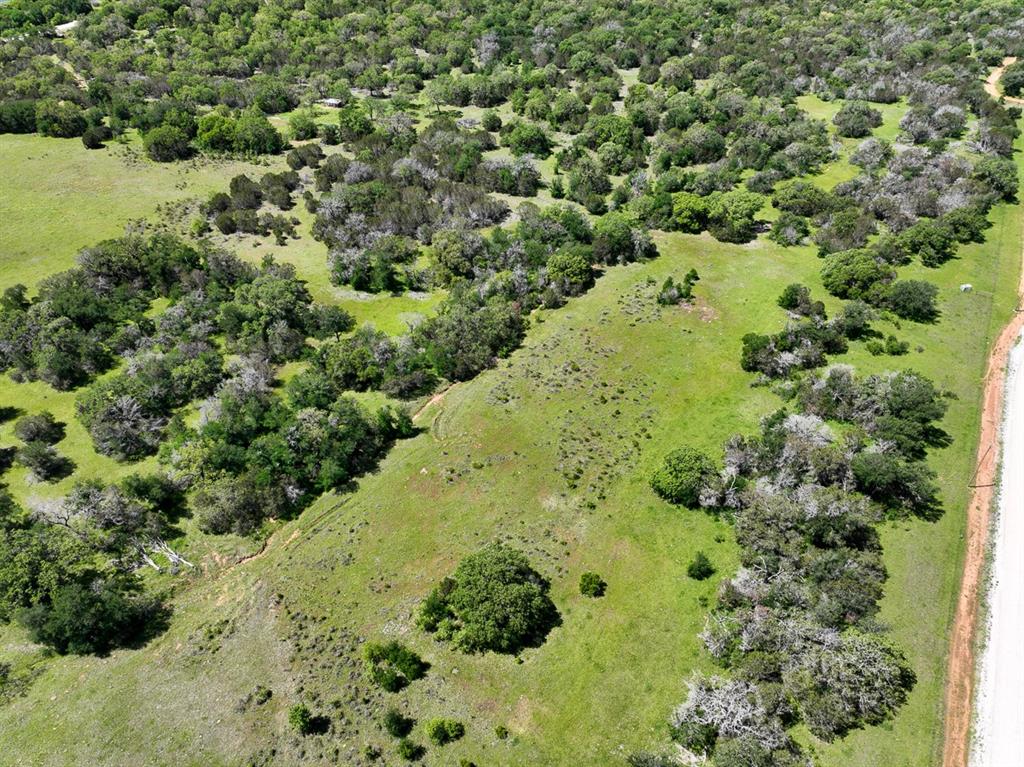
{"x": 302, "y": 125}
{"x": 684, "y": 473}
{"x": 43, "y": 461}
{"x": 1000, "y": 175}
{"x": 444, "y": 731}
{"x": 409, "y": 750}
{"x": 397, "y": 724}
{"x": 789, "y": 229}
{"x": 856, "y": 274}
{"x": 60, "y": 119}
{"x": 392, "y": 666}
{"x": 855, "y": 119}
{"x": 91, "y": 618}
{"x": 493, "y": 601}
{"x": 35, "y": 561}
{"x": 673, "y": 292}
{"x": 700, "y": 567}
{"x": 39, "y": 428}
{"x": 301, "y": 719}
{"x": 527, "y": 138}
{"x": 592, "y": 585}
{"x": 253, "y": 134}
{"x": 570, "y": 269}
{"x": 913, "y": 300}
{"x": 1012, "y": 80}
{"x": 167, "y": 143}
{"x": 27, "y": 15}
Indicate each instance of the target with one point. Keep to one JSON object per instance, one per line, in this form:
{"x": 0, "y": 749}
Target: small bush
{"x": 410, "y": 751}
{"x": 39, "y": 428}
{"x": 700, "y": 567}
{"x": 393, "y": 666}
{"x": 592, "y": 585}
{"x": 501, "y": 732}
{"x": 262, "y": 694}
{"x": 444, "y": 731}
{"x": 301, "y": 719}
{"x": 397, "y": 724}
{"x": 44, "y": 462}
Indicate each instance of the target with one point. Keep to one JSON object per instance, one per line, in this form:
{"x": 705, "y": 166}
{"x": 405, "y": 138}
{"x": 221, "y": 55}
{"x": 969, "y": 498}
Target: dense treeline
{"x": 796, "y": 627}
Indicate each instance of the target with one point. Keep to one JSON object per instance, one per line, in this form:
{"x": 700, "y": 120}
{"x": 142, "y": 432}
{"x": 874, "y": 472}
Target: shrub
{"x": 899, "y": 485}
{"x": 60, "y": 119}
{"x": 700, "y": 567}
{"x": 302, "y": 125}
{"x": 39, "y": 428}
{"x": 673, "y": 292}
{"x": 855, "y": 274}
{"x": 855, "y": 119}
{"x": 44, "y": 462}
{"x": 410, "y": 751}
{"x": 301, "y": 719}
{"x": 789, "y": 229}
{"x": 167, "y": 143}
{"x": 393, "y": 666}
{"x": 569, "y": 269}
{"x": 490, "y": 120}
{"x": 913, "y": 300}
{"x": 444, "y": 731}
{"x": 527, "y": 138}
{"x": 1012, "y": 80}
{"x": 682, "y": 476}
{"x": 397, "y": 724}
{"x": 592, "y": 585}
{"x": 91, "y": 618}
{"x": 18, "y": 116}
{"x": 493, "y": 601}
{"x": 501, "y": 732}
{"x": 94, "y": 136}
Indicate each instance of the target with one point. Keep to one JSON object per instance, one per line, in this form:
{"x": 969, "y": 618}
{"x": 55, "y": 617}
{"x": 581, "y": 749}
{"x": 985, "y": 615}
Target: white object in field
{"x": 62, "y": 29}
{"x": 999, "y": 736}
{"x": 966, "y": 287}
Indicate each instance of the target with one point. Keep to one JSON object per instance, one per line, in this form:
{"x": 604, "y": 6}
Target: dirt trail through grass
{"x": 993, "y": 78}
{"x": 960, "y": 674}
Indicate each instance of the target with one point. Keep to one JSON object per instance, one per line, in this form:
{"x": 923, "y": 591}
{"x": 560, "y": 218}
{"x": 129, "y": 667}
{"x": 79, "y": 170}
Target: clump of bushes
{"x": 673, "y": 292}
{"x": 493, "y": 601}
{"x": 444, "y": 731}
{"x": 392, "y": 666}
{"x": 87, "y": 618}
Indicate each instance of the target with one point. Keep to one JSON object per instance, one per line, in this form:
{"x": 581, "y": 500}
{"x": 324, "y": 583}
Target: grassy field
{"x": 601, "y": 389}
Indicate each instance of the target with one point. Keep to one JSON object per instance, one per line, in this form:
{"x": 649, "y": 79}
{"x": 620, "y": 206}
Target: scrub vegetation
{"x": 514, "y": 384}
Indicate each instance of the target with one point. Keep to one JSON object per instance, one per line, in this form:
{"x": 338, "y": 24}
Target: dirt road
{"x": 999, "y": 735}
{"x": 993, "y": 78}
{"x": 960, "y": 672}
